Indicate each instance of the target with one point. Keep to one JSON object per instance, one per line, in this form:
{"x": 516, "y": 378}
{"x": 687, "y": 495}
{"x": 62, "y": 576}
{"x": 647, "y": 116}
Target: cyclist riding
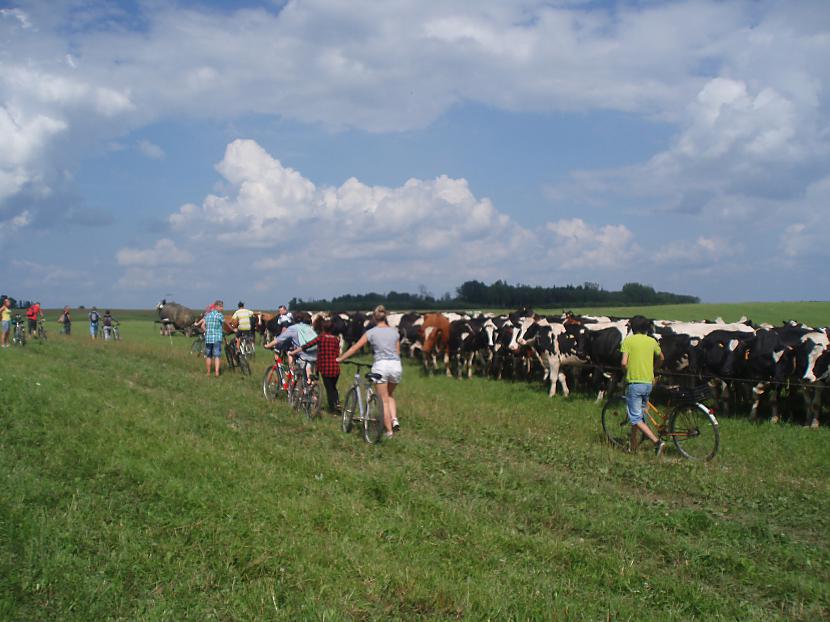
{"x": 296, "y": 336}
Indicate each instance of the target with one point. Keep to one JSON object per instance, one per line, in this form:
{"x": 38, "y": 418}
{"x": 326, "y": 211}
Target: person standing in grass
{"x": 6, "y": 320}
{"x": 211, "y": 324}
{"x": 386, "y": 347}
{"x": 33, "y": 314}
{"x": 66, "y": 320}
{"x": 638, "y": 353}
{"x": 94, "y": 318}
{"x": 328, "y": 348}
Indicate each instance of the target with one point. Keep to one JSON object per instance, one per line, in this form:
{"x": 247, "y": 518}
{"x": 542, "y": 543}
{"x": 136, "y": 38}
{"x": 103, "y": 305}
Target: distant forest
{"x": 501, "y": 295}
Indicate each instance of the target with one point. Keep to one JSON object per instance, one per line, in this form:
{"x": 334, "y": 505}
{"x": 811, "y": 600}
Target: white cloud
{"x": 577, "y": 245}
{"x": 151, "y": 150}
{"x": 39, "y": 275}
{"x": 163, "y": 253}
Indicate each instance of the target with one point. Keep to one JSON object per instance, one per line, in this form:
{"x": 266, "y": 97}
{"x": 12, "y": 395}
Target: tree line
{"x": 501, "y": 294}
{"x": 17, "y": 304}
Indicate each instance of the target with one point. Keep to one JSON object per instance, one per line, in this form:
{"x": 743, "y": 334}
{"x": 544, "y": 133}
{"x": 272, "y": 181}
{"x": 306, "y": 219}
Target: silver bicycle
{"x": 362, "y": 405}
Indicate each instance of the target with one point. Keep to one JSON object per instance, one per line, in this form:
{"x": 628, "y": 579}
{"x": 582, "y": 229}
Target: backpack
{"x": 305, "y": 334}
{"x": 93, "y": 317}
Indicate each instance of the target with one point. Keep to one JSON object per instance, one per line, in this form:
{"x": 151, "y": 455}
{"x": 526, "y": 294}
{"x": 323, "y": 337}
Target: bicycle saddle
{"x": 373, "y": 376}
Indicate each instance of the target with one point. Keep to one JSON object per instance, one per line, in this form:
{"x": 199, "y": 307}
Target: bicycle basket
{"x": 699, "y": 393}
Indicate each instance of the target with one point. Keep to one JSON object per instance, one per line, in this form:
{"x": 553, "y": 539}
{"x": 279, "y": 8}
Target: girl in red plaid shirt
{"x": 328, "y": 349}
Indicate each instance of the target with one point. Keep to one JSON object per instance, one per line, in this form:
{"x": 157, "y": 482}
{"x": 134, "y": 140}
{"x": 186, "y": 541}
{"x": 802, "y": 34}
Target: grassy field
{"x": 135, "y": 488}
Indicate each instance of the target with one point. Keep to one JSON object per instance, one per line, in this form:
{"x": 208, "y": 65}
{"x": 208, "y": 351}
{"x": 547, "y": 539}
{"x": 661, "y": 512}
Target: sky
{"x": 264, "y": 150}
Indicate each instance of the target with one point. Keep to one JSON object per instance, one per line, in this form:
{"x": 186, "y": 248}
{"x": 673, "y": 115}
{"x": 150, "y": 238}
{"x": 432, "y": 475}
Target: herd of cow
{"x": 744, "y": 363}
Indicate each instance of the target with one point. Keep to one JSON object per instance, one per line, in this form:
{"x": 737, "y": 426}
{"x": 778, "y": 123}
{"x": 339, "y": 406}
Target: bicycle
{"x": 246, "y": 344}
{"x": 198, "y": 345}
{"x": 112, "y": 331}
{"x": 278, "y": 378}
{"x": 40, "y": 332}
{"x": 19, "y": 333}
{"x": 365, "y": 408}
{"x": 690, "y": 425}
{"x": 236, "y": 358}
{"x": 306, "y": 391}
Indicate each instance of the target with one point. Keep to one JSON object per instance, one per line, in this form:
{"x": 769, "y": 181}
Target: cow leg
{"x": 562, "y": 377}
{"x": 757, "y": 396}
{"x": 553, "y": 374}
{"x": 812, "y": 400}
{"x": 447, "y": 363}
{"x": 773, "y": 402}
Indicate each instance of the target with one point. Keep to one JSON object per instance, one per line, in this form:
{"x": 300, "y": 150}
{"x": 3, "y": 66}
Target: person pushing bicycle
{"x": 638, "y": 353}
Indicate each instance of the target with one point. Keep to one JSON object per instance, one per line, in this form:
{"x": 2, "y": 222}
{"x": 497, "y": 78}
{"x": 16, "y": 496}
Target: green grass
{"x": 135, "y": 488}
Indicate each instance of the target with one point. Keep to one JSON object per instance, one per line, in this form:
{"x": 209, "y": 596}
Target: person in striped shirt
{"x": 241, "y": 320}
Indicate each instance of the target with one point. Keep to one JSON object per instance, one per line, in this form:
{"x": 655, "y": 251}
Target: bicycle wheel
{"x": 116, "y": 334}
{"x": 244, "y": 365}
{"x": 694, "y": 430}
{"x": 615, "y": 423}
{"x": 373, "y": 423}
{"x": 311, "y": 401}
{"x": 198, "y": 346}
{"x": 271, "y": 384}
{"x": 349, "y": 409}
{"x": 230, "y": 357}
{"x": 41, "y": 333}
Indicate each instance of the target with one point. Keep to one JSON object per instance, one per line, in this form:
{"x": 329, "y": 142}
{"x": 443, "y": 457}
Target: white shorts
{"x": 389, "y": 370}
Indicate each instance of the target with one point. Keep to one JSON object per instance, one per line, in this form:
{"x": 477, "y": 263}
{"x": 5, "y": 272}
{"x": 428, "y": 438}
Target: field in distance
{"x": 815, "y": 314}
{"x": 136, "y": 488}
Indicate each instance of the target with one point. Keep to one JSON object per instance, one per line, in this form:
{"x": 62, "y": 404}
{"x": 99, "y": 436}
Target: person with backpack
{"x": 107, "y": 325}
{"x": 297, "y": 335}
{"x": 94, "y": 318}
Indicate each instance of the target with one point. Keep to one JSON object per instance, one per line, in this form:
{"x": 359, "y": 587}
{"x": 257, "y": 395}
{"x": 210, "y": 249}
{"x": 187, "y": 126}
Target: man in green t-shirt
{"x": 638, "y": 352}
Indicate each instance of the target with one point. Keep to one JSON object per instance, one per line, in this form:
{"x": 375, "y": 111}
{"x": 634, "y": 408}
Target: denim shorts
{"x": 213, "y": 350}
{"x": 636, "y": 399}
{"x": 389, "y": 370}
{"x": 5, "y": 326}
{"x": 93, "y": 328}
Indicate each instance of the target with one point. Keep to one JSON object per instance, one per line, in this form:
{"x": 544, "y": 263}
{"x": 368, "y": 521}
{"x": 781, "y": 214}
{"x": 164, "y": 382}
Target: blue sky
{"x": 265, "y": 150}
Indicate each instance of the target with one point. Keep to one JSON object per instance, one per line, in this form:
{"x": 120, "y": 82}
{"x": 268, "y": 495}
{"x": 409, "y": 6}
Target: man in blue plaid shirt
{"x": 211, "y": 324}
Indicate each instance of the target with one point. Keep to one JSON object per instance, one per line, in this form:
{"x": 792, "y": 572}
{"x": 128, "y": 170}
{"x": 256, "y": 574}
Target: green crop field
{"x": 136, "y": 488}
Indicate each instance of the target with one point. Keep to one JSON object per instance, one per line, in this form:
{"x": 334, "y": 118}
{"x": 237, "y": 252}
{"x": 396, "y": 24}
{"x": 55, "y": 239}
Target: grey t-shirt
{"x": 384, "y": 342}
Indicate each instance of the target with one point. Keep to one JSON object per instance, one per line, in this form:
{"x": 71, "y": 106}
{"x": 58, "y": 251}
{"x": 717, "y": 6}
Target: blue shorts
{"x": 93, "y": 328}
{"x": 636, "y": 400}
{"x": 213, "y": 350}
{"x": 5, "y": 326}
